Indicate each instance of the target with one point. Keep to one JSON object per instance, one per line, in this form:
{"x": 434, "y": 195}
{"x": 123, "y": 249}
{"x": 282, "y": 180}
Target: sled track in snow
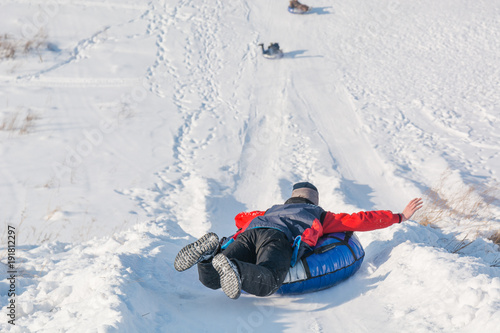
{"x": 70, "y": 82}
{"x": 54, "y": 5}
{"x": 191, "y": 84}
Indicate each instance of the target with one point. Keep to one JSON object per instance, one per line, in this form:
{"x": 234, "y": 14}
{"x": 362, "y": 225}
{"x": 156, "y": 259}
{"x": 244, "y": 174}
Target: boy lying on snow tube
{"x": 258, "y": 257}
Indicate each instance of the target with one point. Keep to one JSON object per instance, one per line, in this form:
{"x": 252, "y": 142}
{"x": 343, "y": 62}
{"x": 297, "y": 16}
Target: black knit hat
{"x": 306, "y": 190}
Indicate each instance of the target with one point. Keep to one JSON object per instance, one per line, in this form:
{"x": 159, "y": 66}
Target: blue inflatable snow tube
{"x": 335, "y": 257}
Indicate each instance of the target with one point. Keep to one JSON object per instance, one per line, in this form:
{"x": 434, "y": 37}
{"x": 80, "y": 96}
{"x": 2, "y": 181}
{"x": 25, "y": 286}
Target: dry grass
{"x": 470, "y": 207}
{"x": 10, "y": 47}
{"x": 21, "y": 121}
{"x": 7, "y": 47}
{"x": 456, "y": 246}
{"x": 496, "y": 263}
{"x": 495, "y": 238}
{"x": 458, "y": 202}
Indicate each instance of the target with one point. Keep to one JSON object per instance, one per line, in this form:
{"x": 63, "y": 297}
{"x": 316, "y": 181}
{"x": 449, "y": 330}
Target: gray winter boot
{"x": 229, "y": 276}
{"x": 203, "y": 249}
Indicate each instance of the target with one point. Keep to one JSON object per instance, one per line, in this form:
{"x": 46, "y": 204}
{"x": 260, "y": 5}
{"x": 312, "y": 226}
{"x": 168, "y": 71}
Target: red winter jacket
{"x": 332, "y": 222}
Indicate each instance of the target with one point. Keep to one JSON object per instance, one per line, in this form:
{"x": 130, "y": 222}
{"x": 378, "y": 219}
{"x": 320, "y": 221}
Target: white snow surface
{"x": 139, "y": 126}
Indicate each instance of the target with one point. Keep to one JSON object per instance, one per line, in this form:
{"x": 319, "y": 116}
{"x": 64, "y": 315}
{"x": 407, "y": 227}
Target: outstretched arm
{"x": 367, "y": 221}
{"x": 411, "y": 208}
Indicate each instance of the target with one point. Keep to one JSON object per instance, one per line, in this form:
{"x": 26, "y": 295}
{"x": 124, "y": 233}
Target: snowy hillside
{"x": 128, "y": 129}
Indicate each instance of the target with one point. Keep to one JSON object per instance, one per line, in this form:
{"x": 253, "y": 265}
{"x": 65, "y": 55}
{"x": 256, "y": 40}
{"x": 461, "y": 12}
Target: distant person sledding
{"x": 273, "y": 51}
{"x": 296, "y": 7}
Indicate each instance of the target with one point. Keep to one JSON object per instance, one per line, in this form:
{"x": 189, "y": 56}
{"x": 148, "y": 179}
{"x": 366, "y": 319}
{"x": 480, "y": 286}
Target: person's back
{"x": 273, "y": 48}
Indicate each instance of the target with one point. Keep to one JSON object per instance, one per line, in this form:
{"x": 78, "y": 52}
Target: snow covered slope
{"x": 136, "y": 127}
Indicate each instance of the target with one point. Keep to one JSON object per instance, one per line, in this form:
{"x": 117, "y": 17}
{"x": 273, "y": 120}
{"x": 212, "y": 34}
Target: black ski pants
{"x": 262, "y": 256}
